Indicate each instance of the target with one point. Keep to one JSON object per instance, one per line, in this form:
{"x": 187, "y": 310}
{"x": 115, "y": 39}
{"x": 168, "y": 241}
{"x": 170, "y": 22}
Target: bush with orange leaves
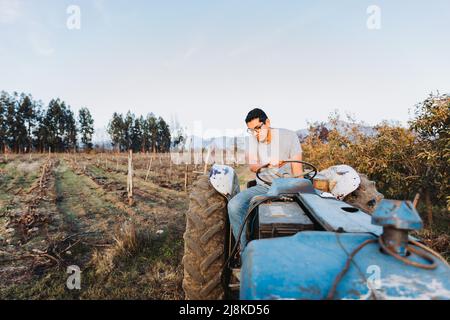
{"x": 404, "y": 161}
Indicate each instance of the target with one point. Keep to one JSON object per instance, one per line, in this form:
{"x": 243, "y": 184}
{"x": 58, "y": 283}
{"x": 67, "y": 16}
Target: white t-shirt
{"x": 284, "y": 145}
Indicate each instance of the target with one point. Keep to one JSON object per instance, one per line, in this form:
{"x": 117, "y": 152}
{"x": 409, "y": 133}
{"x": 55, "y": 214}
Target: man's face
{"x": 259, "y": 129}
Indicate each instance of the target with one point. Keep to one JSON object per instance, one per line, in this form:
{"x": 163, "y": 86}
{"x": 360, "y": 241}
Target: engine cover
{"x": 278, "y": 219}
{"x": 306, "y": 265}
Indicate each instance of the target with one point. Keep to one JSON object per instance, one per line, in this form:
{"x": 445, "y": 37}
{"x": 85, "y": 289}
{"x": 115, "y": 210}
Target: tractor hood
{"x": 305, "y": 266}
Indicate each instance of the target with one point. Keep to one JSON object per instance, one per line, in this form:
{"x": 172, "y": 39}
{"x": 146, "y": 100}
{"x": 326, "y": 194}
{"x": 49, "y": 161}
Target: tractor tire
{"x": 205, "y": 243}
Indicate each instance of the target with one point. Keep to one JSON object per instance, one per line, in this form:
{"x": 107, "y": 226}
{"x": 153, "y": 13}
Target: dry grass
{"x": 127, "y": 241}
{"x": 439, "y": 242}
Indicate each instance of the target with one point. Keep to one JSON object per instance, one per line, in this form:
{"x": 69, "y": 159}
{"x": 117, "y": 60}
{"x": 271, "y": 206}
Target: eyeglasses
{"x": 255, "y": 130}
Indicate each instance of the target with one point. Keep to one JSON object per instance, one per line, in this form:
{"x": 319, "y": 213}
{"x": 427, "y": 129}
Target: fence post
{"x": 149, "y": 169}
{"x": 130, "y": 178}
{"x": 416, "y": 200}
{"x": 208, "y": 156}
{"x": 170, "y": 170}
{"x": 186, "y": 177}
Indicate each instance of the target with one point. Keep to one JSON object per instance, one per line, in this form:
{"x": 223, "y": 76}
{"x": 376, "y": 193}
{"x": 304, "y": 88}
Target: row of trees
{"x": 402, "y": 160}
{"x": 26, "y": 125}
{"x": 140, "y": 134}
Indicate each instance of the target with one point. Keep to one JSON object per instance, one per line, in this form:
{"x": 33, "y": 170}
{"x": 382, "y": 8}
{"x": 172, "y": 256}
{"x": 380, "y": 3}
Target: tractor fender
{"x": 224, "y": 179}
{"x": 343, "y": 180}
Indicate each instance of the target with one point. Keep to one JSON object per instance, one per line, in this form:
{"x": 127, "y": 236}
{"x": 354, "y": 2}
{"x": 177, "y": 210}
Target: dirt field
{"x": 63, "y": 210}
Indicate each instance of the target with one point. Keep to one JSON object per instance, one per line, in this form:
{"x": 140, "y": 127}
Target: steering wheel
{"x": 303, "y": 174}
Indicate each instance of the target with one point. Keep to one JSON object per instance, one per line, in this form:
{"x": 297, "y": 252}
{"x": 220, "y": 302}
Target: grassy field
{"x": 63, "y": 210}
{"x": 73, "y": 209}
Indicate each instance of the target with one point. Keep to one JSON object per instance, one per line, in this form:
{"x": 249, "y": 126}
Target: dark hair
{"x": 256, "y": 114}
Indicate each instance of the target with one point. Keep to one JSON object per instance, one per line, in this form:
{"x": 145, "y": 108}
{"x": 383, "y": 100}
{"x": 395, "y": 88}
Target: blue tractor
{"x": 304, "y": 243}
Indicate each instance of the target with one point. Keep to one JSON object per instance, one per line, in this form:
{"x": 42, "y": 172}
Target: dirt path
{"x": 84, "y": 206}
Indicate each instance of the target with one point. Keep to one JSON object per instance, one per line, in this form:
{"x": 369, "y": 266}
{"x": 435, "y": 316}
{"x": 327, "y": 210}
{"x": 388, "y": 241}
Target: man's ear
{"x": 267, "y": 122}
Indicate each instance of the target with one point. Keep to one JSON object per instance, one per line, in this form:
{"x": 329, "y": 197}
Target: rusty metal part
{"x": 396, "y": 240}
{"x": 321, "y": 183}
{"x": 366, "y": 197}
{"x": 424, "y": 255}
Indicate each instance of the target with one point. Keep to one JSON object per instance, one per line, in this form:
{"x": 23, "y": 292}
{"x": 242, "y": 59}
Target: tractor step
{"x": 235, "y": 280}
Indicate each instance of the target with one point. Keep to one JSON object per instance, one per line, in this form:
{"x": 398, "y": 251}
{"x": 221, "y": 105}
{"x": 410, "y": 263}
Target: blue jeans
{"x": 237, "y": 210}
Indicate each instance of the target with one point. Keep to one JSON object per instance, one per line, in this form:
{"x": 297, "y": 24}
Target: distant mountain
{"x": 342, "y": 127}
{"x": 101, "y": 138}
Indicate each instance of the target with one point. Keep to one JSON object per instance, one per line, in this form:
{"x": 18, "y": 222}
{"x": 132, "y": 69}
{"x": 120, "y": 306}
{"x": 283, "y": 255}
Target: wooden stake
{"x": 186, "y": 177}
{"x": 149, "y": 168}
{"x": 130, "y": 178}
{"x": 416, "y": 200}
{"x": 44, "y": 169}
{"x": 205, "y": 170}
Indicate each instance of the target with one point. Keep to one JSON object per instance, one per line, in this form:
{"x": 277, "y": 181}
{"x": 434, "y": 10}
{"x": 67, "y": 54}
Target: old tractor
{"x": 306, "y": 243}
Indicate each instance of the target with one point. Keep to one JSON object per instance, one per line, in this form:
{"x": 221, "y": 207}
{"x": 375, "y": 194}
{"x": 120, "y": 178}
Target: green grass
{"x": 13, "y": 179}
{"x": 80, "y": 201}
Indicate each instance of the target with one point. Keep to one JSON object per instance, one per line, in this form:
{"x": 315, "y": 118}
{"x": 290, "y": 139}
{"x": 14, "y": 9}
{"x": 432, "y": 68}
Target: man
{"x": 267, "y": 146}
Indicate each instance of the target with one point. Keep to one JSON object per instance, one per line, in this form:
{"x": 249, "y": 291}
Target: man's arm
{"x": 253, "y": 163}
{"x": 296, "y": 154}
{"x": 297, "y": 168}
{"x": 255, "y": 167}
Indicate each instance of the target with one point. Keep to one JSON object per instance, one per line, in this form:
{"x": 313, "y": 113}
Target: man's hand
{"x": 276, "y": 164}
{"x": 273, "y": 164}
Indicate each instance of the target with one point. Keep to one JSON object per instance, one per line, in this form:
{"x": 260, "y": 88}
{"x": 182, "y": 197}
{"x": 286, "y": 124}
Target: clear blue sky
{"x": 211, "y": 61}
